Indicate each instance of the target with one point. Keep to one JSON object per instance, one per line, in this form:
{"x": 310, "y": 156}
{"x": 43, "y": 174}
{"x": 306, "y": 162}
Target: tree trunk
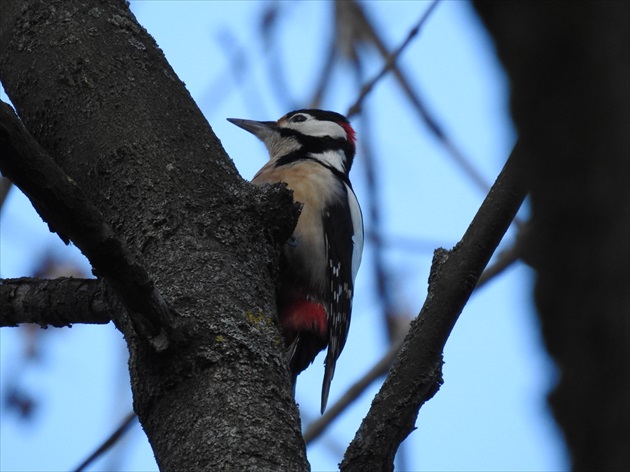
{"x": 568, "y": 64}
{"x": 95, "y": 91}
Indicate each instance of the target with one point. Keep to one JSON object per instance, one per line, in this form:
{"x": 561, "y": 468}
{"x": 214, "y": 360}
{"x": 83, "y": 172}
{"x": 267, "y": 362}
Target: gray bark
{"x": 93, "y": 88}
{"x": 416, "y": 374}
{"x": 53, "y": 302}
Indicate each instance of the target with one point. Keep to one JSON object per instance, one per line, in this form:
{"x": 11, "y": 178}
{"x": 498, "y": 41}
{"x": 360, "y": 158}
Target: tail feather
{"x": 290, "y": 351}
{"x": 301, "y": 352}
{"x": 329, "y": 372}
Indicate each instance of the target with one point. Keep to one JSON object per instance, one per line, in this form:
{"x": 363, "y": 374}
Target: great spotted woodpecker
{"x": 312, "y": 151}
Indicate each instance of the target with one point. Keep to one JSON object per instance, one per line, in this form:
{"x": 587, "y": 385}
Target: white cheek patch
{"x": 312, "y": 127}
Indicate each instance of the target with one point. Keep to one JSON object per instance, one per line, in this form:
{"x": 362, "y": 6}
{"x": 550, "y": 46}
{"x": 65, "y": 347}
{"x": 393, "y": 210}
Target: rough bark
{"x": 53, "y": 302}
{"x": 569, "y": 68}
{"x": 93, "y": 88}
{"x": 62, "y": 204}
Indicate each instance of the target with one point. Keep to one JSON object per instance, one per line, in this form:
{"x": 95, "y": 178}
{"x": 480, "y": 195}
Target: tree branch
{"x": 162, "y": 181}
{"x": 69, "y": 213}
{"x": 53, "y": 302}
{"x": 109, "y": 442}
{"x": 390, "y": 61}
{"x": 382, "y": 366}
{"x": 379, "y": 369}
{"x": 417, "y": 373}
{"x": 506, "y": 259}
{"x": 366, "y": 28}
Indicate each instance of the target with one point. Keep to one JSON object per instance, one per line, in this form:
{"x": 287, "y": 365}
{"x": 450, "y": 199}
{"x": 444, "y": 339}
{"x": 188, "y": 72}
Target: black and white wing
{"x": 344, "y": 247}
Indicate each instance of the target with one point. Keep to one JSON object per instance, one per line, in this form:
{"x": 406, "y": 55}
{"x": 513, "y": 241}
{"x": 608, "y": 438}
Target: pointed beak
{"x": 263, "y": 130}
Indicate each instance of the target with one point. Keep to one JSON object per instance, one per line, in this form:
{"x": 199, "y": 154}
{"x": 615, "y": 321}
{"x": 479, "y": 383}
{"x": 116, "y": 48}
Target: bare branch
{"x": 53, "y": 302}
{"x": 505, "y": 260}
{"x": 68, "y": 212}
{"x": 507, "y": 257}
{"x": 109, "y": 442}
{"x": 414, "y": 98}
{"x": 380, "y": 368}
{"x": 317, "y": 427}
{"x": 390, "y": 62}
{"x": 417, "y": 371}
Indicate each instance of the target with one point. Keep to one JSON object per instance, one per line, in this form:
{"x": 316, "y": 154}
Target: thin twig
{"x": 373, "y": 210}
{"x": 109, "y": 442}
{"x": 380, "y": 368}
{"x": 390, "y": 62}
{"x": 506, "y": 259}
{"x": 317, "y": 427}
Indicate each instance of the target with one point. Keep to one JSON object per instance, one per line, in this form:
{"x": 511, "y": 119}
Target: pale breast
{"x": 314, "y": 186}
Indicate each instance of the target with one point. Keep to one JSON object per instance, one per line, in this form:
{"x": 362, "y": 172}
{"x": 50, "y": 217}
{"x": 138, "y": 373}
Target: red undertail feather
{"x": 304, "y": 315}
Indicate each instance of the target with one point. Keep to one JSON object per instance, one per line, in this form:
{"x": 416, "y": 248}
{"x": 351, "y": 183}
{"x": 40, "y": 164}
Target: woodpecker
{"x": 312, "y": 152}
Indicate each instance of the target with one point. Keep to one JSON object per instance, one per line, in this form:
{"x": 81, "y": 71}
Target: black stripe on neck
{"x": 299, "y": 155}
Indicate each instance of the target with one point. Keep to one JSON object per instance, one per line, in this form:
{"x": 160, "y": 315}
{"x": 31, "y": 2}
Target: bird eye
{"x": 298, "y": 119}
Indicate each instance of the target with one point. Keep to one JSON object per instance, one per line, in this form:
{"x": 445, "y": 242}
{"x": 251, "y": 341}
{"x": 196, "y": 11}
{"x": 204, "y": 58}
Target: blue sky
{"x": 491, "y": 413}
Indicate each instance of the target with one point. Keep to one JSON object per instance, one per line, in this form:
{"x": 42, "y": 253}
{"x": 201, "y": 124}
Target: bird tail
{"x": 290, "y": 351}
{"x": 329, "y": 372}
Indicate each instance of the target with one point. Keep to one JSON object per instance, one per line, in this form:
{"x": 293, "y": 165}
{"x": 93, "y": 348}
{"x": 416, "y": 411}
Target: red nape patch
{"x": 352, "y": 135}
{"x": 304, "y": 315}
